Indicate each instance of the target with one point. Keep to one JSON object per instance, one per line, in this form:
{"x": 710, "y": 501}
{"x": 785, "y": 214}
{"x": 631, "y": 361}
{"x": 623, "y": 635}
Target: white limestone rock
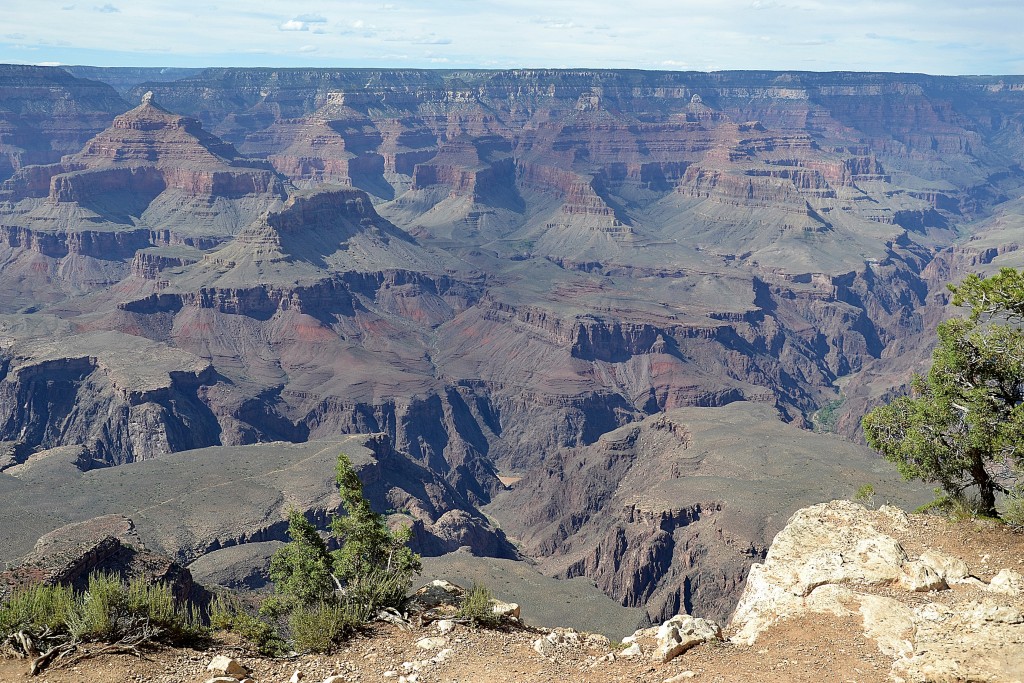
{"x": 919, "y": 577}
{"x": 1007, "y": 581}
{"x": 505, "y": 610}
{"x": 224, "y": 666}
{"x": 682, "y": 632}
{"x": 951, "y": 569}
{"x": 431, "y": 643}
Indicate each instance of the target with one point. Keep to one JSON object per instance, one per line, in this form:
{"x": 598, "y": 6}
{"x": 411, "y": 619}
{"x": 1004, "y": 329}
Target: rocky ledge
{"x": 845, "y": 593}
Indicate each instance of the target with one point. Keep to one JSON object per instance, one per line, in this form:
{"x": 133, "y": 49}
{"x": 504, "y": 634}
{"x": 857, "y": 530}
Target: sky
{"x": 927, "y": 36}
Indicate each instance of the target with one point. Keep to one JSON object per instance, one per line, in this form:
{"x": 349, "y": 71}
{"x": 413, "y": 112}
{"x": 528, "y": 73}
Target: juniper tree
{"x": 374, "y": 563}
{"x": 962, "y": 426}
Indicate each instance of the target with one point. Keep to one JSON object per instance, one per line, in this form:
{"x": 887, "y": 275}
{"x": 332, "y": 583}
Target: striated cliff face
{"x": 506, "y": 272}
{"x": 86, "y": 390}
{"x": 669, "y": 513}
{"x": 48, "y": 113}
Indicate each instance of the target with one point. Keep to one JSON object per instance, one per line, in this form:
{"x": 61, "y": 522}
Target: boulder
{"x": 919, "y": 577}
{"x": 431, "y": 643}
{"x": 951, "y": 569}
{"x": 1007, "y": 581}
{"x": 682, "y": 632}
{"x": 830, "y": 543}
{"x": 439, "y": 595}
{"x": 222, "y": 665}
{"x": 505, "y": 610}
{"x": 672, "y": 638}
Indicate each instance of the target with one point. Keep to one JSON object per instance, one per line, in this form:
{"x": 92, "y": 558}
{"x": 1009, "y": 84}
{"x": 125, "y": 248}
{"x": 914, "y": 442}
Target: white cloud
{"x": 308, "y": 48}
{"x": 936, "y": 36}
{"x": 431, "y": 39}
{"x": 557, "y": 24}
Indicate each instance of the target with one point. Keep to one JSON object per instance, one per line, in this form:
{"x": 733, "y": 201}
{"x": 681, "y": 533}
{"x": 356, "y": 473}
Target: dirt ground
{"x": 814, "y": 648}
{"x": 803, "y": 650}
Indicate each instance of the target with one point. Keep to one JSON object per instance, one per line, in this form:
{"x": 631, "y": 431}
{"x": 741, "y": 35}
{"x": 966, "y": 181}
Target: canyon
{"x": 618, "y": 324}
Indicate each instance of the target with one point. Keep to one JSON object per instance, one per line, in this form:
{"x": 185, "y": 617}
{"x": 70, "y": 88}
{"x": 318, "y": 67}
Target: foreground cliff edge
{"x": 844, "y": 593}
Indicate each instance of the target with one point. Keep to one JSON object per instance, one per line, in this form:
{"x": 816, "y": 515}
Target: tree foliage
{"x": 372, "y": 568}
{"x": 302, "y": 569}
{"x": 369, "y": 552}
{"x": 963, "y": 424}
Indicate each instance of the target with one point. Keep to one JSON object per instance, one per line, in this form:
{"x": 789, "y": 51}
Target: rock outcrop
{"x": 109, "y": 544}
{"x": 928, "y": 613}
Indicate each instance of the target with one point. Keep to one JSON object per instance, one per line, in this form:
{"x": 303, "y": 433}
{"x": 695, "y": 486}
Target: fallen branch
{"x": 125, "y": 646}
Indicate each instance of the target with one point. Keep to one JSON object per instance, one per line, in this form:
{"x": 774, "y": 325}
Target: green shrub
{"x": 222, "y": 611}
{"x": 374, "y": 563}
{"x": 866, "y": 495}
{"x": 367, "y": 595}
{"x": 103, "y": 605}
{"x": 227, "y": 613}
{"x": 106, "y": 611}
{"x": 257, "y": 633}
{"x": 956, "y": 508}
{"x": 476, "y": 607}
{"x": 301, "y": 569}
{"x": 37, "y": 607}
{"x": 320, "y": 628}
{"x": 155, "y": 603}
{"x": 1013, "y": 508}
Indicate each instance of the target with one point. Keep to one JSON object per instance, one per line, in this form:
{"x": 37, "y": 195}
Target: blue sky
{"x": 933, "y": 36}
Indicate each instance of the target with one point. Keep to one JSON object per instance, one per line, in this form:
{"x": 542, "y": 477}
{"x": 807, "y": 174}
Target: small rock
{"x": 682, "y": 632}
{"x": 445, "y": 626}
{"x": 918, "y": 577}
{"x": 544, "y": 647}
{"x": 222, "y": 679}
{"x": 1007, "y": 581}
{"x": 679, "y": 678}
{"x": 952, "y": 569}
{"x": 390, "y": 674}
{"x": 505, "y": 610}
{"x": 596, "y": 641}
{"x": 296, "y": 677}
{"x": 564, "y": 637}
{"x": 431, "y": 643}
{"x": 632, "y": 651}
{"x": 226, "y": 666}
